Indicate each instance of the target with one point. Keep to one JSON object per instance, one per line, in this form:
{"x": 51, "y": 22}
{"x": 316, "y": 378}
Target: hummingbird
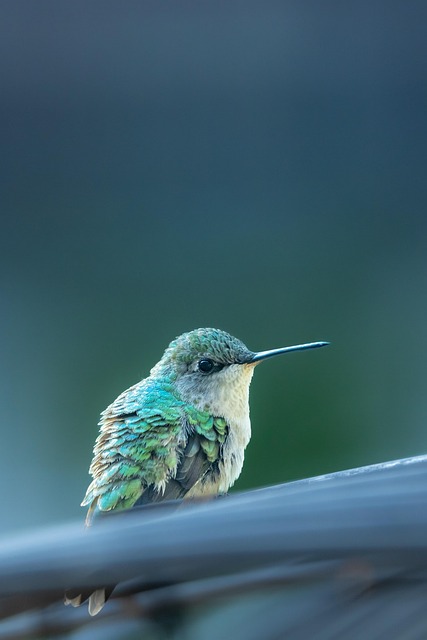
{"x": 179, "y": 433}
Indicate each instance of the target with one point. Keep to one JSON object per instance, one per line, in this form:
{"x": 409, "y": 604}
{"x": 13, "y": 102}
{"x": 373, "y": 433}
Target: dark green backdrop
{"x": 255, "y": 166}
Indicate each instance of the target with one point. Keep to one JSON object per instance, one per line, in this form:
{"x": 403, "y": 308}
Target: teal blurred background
{"x": 257, "y": 167}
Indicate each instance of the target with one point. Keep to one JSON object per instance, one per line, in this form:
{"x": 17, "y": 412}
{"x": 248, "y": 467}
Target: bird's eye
{"x": 205, "y": 365}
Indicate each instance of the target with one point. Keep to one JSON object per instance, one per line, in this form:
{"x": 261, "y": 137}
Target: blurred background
{"x": 257, "y": 167}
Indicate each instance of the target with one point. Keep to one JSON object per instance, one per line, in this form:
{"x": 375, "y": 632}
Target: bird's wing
{"x": 150, "y": 449}
{"x": 200, "y": 457}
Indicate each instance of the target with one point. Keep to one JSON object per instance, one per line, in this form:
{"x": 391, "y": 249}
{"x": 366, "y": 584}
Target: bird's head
{"x": 213, "y": 370}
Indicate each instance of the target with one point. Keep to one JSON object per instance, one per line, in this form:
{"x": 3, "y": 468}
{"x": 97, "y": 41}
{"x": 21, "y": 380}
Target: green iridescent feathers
{"x": 212, "y": 432}
{"x": 213, "y": 343}
{"x": 142, "y": 443}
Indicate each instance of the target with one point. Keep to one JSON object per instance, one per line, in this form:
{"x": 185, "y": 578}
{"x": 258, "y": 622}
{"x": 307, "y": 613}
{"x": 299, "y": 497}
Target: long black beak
{"x": 262, "y": 355}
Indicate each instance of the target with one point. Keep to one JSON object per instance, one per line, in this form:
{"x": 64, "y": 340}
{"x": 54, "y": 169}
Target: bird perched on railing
{"x": 180, "y": 433}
